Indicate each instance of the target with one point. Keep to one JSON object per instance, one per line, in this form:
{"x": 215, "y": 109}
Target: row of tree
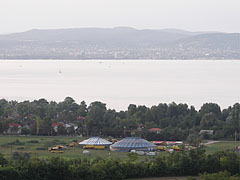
{"x": 177, "y": 121}
{"x": 186, "y": 163}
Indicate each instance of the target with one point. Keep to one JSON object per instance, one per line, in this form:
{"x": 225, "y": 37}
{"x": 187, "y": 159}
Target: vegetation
{"x": 176, "y": 121}
{"x": 221, "y": 146}
{"x": 186, "y": 163}
{"x": 39, "y": 149}
{"x": 219, "y": 176}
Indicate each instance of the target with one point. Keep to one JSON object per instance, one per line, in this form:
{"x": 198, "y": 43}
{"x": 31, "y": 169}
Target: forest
{"x": 176, "y": 121}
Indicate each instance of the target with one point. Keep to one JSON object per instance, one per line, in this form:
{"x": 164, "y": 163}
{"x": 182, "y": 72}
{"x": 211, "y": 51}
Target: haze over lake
{"x": 121, "y": 82}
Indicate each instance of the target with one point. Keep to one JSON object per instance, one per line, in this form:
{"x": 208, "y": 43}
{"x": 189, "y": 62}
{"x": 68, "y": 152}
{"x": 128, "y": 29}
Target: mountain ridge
{"x": 129, "y": 42}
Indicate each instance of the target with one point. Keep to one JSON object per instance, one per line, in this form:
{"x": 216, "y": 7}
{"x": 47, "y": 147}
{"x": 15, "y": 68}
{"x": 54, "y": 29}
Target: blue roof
{"x": 133, "y": 142}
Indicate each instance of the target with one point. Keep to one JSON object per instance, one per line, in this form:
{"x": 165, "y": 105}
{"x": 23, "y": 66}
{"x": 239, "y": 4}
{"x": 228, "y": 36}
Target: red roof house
{"x": 156, "y": 130}
{"x": 57, "y": 124}
{"x": 13, "y": 125}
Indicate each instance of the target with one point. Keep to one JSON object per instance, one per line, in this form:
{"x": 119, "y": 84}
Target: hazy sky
{"x": 193, "y": 15}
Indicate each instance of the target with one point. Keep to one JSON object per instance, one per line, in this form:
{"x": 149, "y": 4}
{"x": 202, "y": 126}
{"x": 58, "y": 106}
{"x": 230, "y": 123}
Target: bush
{"x": 20, "y": 156}
{"x": 3, "y": 161}
{"x": 20, "y": 148}
{"x": 9, "y": 173}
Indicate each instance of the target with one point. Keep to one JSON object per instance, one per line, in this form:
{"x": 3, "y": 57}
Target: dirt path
{"x": 210, "y": 142}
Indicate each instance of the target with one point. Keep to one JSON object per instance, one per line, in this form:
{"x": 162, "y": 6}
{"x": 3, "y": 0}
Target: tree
{"x": 193, "y": 139}
{"x": 82, "y": 111}
{"x": 96, "y": 116}
{"x": 61, "y": 130}
{"x": 211, "y": 108}
{"x": 208, "y": 120}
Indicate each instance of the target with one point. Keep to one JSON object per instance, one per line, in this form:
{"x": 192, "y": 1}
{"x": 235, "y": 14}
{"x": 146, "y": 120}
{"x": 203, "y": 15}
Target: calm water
{"x": 119, "y": 83}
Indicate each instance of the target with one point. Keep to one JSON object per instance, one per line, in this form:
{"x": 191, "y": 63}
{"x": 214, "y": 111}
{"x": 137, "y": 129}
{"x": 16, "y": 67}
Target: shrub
{"x": 20, "y": 148}
{"x": 20, "y": 156}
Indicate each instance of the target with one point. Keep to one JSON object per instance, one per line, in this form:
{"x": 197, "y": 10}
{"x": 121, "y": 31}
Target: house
{"x": 14, "y": 128}
{"x": 140, "y": 127}
{"x": 155, "y": 130}
{"x": 208, "y": 132}
{"x": 55, "y": 125}
{"x": 70, "y": 127}
{"x": 81, "y": 118}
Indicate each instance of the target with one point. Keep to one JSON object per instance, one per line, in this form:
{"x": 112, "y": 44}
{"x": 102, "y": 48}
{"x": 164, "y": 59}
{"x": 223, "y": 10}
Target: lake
{"x": 121, "y": 82}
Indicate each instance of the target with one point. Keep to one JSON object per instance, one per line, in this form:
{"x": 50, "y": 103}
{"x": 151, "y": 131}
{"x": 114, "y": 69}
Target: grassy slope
{"x": 221, "y": 146}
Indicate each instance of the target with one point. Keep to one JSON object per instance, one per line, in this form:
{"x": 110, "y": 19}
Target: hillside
{"x": 119, "y": 43}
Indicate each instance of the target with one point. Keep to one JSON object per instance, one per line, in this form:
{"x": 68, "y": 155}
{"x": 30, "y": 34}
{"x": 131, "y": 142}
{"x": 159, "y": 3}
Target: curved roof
{"x": 133, "y": 142}
{"x": 95, "y": 141}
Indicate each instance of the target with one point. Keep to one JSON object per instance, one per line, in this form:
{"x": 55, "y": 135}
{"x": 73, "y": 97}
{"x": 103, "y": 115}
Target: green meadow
{"x": 221, "y": 146}
{"x": 38, "y": 146}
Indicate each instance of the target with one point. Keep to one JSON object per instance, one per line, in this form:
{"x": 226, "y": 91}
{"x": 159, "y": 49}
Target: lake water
{"x": 119, "y": 83}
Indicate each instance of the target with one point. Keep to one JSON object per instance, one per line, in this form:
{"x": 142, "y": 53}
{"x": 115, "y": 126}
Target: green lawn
{"x": 164, "y": 178}
{"x": 222, "y": 146}
{"x": 40, "y": 148}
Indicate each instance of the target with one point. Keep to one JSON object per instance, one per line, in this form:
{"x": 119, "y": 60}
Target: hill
{"x": 119, "y": 43}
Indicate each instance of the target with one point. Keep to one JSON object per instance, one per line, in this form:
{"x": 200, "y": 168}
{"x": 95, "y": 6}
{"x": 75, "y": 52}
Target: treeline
{"x": 186, "y": 163}
{"x": 176, "y": 121}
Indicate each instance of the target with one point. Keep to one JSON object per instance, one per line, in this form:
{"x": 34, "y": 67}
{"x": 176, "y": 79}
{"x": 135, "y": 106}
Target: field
{"x": 221, "y": 146}
{"x": 164, "y": 178}
{"x": 38, "y": 147}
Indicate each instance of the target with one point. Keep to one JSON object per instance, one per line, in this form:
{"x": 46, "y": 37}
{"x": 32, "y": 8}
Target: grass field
{"x": 38, "y": 147}
{"x": 222, "y": 146}
{"x": 165, "y": 178}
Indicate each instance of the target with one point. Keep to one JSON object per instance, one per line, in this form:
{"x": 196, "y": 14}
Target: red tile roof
{"x": 13, "y": 125}
{"x": 57, "y": 124}
{"x": 155, "y": 129}
{"x": 80, "y": 118}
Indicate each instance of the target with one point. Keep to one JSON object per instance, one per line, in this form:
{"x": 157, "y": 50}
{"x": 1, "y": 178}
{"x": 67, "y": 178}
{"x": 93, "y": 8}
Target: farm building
{"x": 133, "y": 143}
{"x": 95, "y": 141}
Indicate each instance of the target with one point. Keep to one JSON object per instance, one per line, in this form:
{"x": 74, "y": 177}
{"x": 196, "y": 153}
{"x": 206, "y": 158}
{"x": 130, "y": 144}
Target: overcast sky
{"x": 193, "y": 15}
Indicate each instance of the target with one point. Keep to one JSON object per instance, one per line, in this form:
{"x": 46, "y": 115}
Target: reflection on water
{"x": 119, "y": 83}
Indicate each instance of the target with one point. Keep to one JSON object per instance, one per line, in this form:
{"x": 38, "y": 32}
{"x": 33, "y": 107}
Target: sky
{"x": 192, "y": 15}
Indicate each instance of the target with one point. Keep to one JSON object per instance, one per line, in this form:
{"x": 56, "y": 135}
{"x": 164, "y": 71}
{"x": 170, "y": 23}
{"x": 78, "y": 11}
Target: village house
{"x": 208, "y": 132}
{"x": 13, "y": 128}
{"x": 155, "y": 130}
{"x": 55, "y": 126}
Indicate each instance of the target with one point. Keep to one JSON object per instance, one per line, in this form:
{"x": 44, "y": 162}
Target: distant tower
{"x": 116, "y": 55}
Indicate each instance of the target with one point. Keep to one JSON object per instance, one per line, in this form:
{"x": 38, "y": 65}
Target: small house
{"x": 208, "y": 132}
{"x": 14, "y": 128}
{"x": 155, "y": 130}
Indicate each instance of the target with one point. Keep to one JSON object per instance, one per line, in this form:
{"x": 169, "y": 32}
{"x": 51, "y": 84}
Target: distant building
{"x": 14, "y": 128}
{"x": 155, "y": 130}
{"x": 208, "y": 132}
{"x": 133, "y": 143}
{"x": 55, "y": 125}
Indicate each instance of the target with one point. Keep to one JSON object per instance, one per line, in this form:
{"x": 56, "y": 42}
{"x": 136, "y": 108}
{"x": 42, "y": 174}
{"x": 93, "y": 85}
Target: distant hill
{"x": 127, "y": 42}
{"x": 120, "y": 36}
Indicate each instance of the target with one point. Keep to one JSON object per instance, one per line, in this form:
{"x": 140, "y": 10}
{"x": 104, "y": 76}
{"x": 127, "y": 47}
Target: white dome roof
{"x": 95, "y": 141}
